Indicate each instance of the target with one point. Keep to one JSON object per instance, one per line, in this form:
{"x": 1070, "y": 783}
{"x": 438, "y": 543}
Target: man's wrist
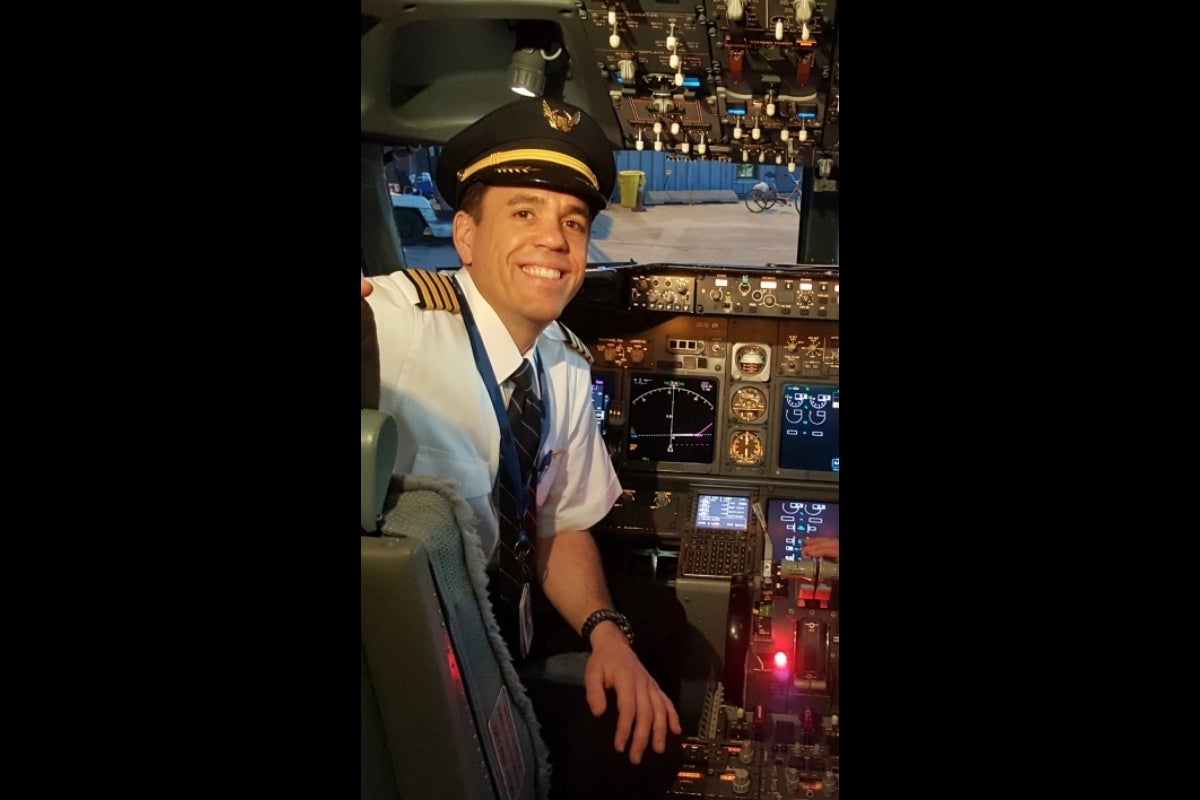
{"x": 606, "y": 615}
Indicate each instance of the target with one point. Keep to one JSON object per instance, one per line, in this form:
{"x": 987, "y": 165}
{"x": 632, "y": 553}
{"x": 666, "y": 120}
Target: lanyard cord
{"x": 508, "y": 448}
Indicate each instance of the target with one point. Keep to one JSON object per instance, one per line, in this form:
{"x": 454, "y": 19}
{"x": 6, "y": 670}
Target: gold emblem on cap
{"x": 559, "y": 120}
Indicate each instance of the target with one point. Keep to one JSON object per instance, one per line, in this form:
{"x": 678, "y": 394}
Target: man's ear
{"x": 464, "y": 236}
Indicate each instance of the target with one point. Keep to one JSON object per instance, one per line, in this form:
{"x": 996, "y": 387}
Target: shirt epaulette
{"x": 436, "y": 290}
{"x": 576, "y": 344}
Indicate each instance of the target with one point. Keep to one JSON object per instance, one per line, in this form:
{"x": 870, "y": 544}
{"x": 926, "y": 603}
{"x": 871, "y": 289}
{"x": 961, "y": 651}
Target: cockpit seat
{"x": 443, "y": 711}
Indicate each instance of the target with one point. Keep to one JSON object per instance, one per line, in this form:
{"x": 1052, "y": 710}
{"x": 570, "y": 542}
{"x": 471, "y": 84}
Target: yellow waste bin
{"x": 631, "y": 180}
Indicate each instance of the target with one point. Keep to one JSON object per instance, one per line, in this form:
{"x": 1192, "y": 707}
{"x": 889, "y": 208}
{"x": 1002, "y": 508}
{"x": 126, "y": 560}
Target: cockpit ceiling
{"x": 429, "y": 69}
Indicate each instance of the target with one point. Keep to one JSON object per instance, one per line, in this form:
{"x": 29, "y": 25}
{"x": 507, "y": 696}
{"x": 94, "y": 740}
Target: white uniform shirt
{"x": 446, "y": 420}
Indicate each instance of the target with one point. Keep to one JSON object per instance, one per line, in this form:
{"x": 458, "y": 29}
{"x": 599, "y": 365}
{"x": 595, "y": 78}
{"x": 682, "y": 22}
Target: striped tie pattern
{"x": 516, "y": 558}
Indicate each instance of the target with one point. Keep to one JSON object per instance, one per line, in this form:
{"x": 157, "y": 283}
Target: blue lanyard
{"x": 508, "y": 448}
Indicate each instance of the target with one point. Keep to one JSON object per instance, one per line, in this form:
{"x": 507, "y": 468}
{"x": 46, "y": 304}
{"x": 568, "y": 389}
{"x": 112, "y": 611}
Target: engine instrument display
{"x": 809, "y": 427}
{"x": 672, "y": 418}
{"x": 792, "y": 520}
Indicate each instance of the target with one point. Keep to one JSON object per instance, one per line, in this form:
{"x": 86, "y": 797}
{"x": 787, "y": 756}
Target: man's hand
{"x": 642, "y": 708}
{"x": 366, "y": 287}
{"x": 821, "y": 546}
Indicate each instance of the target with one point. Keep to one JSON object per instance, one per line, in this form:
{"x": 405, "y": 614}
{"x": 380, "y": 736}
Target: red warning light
{"x": 781, "y": 659}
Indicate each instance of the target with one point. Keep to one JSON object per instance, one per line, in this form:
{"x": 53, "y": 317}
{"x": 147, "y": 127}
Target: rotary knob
{"x": 741, "y": 780}
{"x": 828, "y": 785}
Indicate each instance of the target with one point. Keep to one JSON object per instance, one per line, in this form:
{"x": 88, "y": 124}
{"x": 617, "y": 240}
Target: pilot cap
{"x": 537, "y": 142}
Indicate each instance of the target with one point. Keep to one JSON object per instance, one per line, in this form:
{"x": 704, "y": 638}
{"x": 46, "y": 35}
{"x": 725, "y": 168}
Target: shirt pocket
{"x": 472, "y": 475}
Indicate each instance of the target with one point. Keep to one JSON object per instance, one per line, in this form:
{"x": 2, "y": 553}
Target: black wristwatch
{"x": 606, "y": 615}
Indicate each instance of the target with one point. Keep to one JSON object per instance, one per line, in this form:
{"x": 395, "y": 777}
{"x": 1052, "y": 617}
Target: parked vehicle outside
{"x": 422, "y": 184}
{"x": 415, "y": 214}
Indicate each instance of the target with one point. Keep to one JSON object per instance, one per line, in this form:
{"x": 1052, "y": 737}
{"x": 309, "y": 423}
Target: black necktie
{"x": 515, "y": 563}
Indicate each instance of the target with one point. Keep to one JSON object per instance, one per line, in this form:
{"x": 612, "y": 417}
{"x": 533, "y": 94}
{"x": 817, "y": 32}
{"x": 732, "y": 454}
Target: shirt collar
{"x": 501, "y": 352}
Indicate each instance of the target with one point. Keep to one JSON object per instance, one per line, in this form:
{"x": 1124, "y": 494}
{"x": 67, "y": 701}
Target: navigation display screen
{"x": 672, "y": 418}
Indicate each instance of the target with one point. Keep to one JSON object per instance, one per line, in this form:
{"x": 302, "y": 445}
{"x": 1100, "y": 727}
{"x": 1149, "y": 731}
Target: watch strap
{"x": 606, "y": 615}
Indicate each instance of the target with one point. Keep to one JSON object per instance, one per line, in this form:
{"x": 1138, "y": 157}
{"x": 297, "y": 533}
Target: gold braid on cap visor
{"x": 551, "y": 156}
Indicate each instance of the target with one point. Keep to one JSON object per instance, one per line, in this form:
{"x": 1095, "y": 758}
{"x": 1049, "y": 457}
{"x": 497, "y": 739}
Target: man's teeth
{"x": 542, "y": 272}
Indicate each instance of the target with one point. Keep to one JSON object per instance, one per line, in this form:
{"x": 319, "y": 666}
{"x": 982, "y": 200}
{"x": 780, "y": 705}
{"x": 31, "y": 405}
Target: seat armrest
{"x": 379, "y": 442}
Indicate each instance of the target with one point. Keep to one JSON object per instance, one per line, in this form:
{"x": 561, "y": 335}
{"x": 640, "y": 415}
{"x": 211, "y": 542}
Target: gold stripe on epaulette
{"x": 436, "y": 290}
{"x": 576, "y": 344}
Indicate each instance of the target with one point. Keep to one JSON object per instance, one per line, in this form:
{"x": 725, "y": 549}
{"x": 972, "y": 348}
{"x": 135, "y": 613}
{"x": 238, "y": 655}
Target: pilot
{"x": 527, "y": 180}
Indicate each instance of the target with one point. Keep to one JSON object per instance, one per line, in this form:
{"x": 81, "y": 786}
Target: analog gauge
{"x": 748, "y": 404}
{"x": 751, "y": 359}
{"x": 745, "y": 448}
